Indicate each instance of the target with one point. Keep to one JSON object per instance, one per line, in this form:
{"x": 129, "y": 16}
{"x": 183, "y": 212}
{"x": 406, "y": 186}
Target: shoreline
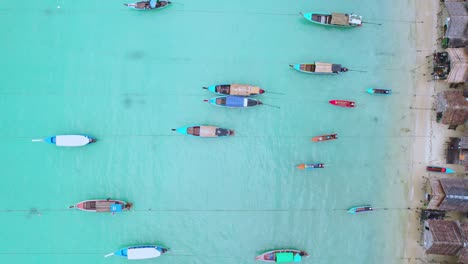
{"x": 430, "y": 148}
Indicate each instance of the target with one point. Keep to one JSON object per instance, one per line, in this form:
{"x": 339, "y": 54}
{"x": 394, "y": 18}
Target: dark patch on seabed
{"x": 136, "y": 55}
{"x": 34, "y": 212}
{"x": 376, "y": 119}
{"x": 128, "y": 102}
{"x": 48, "y": 12}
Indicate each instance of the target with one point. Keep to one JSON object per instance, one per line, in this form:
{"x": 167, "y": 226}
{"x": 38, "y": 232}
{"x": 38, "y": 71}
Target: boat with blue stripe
{"x": 234, "y": 101}
{"x": 68, "y": 140}
{"x": 139, "y": 252}
{"x": 440, "y": 169}
{"x": 360, "y": 209}
{"x": 204, "y": 131}
{"x": 149, "y": 5}
{"x": 379, "y": 91}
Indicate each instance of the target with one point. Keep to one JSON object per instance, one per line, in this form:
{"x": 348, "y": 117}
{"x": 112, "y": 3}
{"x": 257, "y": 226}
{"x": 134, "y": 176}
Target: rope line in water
{"x": 39, "y": 212}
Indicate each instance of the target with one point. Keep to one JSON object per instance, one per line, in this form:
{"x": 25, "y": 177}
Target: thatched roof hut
{"x": 449, "y": 194}
{"x": 457, "y": 31}
{"x": 452, "y": 108}
{"x": 442, "y": 237}
{"x": 458, "y": 65}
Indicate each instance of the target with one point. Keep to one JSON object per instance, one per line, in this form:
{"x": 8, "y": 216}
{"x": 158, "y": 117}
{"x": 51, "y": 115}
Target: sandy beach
{"x": 429, "y": 136}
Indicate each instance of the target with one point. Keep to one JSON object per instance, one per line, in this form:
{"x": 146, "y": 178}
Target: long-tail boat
{"x": 234, "y": 101}
{"x": 334, "y": 19}
{"x": 439, "y": 169}
{"x": 68, "y": 140}
{"x": 379, "y": 91}
{"x": 235, "y": 89}
{"x": 282, "y": 255}
{"x": 102, "y": 206}
{"x": 204, "y": 131}
{"x": 319, "y": 68}
{"x": 310, "y": 166}
{"x": 149, "y": 5}
{"x": 139, "y": 252}
{"x": 343, "y": 103}
{"x": 325, "y": 137}
{"x": 360, "y": 209}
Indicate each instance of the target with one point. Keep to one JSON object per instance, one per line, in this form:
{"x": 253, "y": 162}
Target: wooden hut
{"x": 458, "y": 65}
{"x": 449, "y": 194}
{"x": 457, "y": 24}
{"x": 452, "y": 108}
{"x": 442, "y": 237}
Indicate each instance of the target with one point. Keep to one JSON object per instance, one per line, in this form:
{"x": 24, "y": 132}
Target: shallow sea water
{"x": 128, "y": 77}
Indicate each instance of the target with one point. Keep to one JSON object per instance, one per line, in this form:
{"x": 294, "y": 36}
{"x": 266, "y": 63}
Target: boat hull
{"x": 137, "y": 5}
{"x": 70, "y": 140}
{"x": 360, "y": 209}
{"x": 311, "y": 16}
{"x": 271, "y": 256}
{"x": 343, "y": 103}
{"x": 234, "y": 101}
{"x": 310, "y": 166}
{"x": 141, "y": 252}
{"x": 440, "y": 169}
{"x": 379, "y": 91}
{"x": 205, "y": 131}
{"x": 101, "y": 205}
{"x": 236, "y": 89}
{"x": 302, "y": 67}
{"x": 325, "y": 137}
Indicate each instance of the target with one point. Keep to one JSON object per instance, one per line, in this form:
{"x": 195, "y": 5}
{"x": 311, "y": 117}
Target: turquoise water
{"x": 128, "y": 77}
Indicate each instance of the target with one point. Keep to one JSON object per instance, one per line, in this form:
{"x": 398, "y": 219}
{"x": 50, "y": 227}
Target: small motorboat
{"x": 360, "y": 209}
{"x": 319, "y": 68}
{"x": 379, "y": 91}
{"x": 102, "y": 206}
{"x": 325, "y": 137}
{"x": 205, "y": 131}
{"x": 68, "y": 140}
{"x": 235, "y": 89}
{"x": 149, "y": 5}
{"x": 310, "y": 166}
{"x": 440, "y": 169}
{"x": 139, "y": 252}
{"x": 282, "y": 255}
{"x": 343, "y": 103}
{"x": 234, "y": 101}
{"x": 334, "y": 19}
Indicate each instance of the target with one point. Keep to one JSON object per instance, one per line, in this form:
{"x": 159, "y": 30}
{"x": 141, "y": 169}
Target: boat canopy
{"x": 71, "y": 140}
{"x": 244, "y": 90}
{"x": 143, "y": 252}
{"x": 235, "y": 101}
{"x": 207, "y": 131}
{"x": 107, "y": 206}
{"x": 324, "y": 67}
{"x": 284, "y": 257}
{"x": 339, "y": 19}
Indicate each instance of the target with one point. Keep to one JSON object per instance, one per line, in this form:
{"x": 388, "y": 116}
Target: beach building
{"x": 457, "y": 151}
{"x": 448, "y": 194}
{"x": 446, "y": 238}
{"x": 451, "y": 108}
{"x": 458, "y": 73}
{"x": 456, "y": 24}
